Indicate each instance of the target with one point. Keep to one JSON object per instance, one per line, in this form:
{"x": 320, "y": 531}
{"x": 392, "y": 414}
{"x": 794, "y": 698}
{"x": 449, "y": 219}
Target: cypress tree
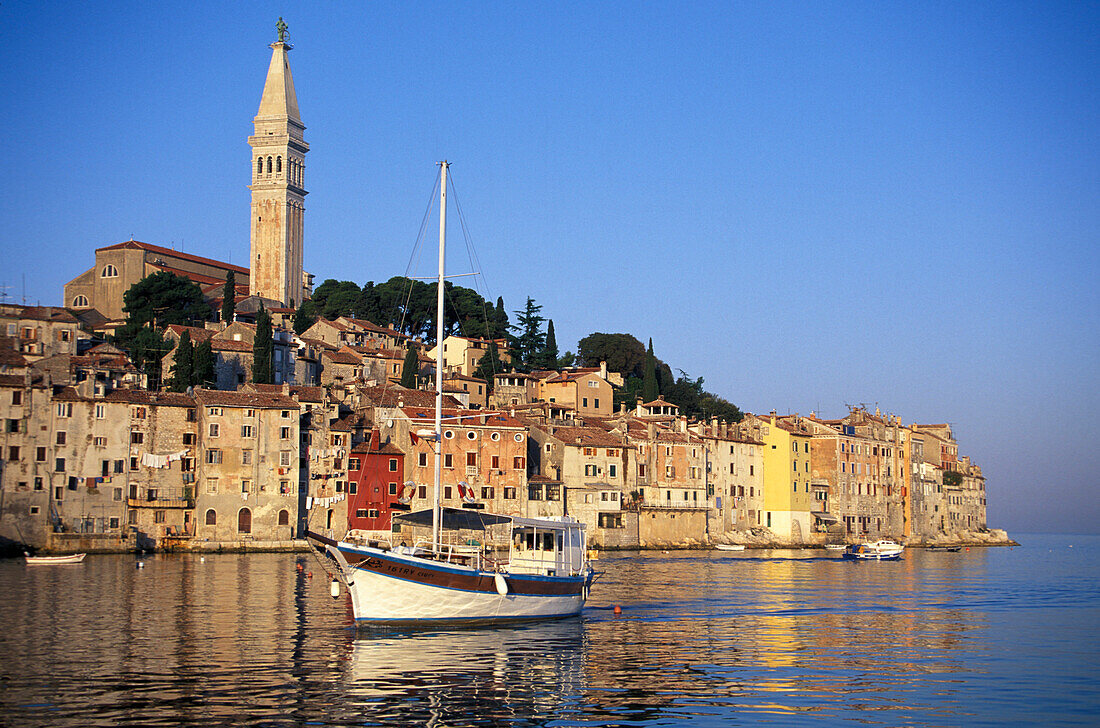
{"x": 550, "y": 348}
{"x": 410, "y": 369}
{"x": 649, "y": 383}
{"x": 263, "y": 349}
{"x": 229, "y": 297}
{"x": 184, "y": 366}
{"x": 202, "y": 373}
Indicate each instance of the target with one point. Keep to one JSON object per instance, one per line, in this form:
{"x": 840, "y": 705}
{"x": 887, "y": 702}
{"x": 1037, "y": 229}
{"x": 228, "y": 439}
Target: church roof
{"x": 279, "y": 99}
{"x": 137, "y": 245}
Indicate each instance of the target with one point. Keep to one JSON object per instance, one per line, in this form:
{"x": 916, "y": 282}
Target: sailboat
{"x": 537, "y": 568}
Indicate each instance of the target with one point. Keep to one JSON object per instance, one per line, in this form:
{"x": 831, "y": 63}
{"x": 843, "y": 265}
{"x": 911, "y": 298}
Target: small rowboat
{"x": 47, "y": 560}
{"x": 729, "y": 547}
{"x": 834, "y": 547}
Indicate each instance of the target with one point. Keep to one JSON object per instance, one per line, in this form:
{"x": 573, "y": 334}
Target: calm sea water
{"x": 1005, "y": 636}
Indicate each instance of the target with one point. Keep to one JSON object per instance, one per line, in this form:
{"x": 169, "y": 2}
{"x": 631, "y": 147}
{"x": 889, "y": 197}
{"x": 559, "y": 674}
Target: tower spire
{"x": 278, "y": 185}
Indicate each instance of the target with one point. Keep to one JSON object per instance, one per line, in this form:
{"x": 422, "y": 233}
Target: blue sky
{"x": 807, "y": 204}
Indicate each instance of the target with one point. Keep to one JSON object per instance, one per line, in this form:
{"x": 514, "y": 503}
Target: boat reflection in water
{"x": 452, "y": 676}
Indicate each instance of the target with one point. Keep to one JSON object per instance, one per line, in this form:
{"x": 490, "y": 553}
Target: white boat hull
{"x": 878, "y": 551}
{"x": 48, "y": 560}
{"x": 389, "y": 588}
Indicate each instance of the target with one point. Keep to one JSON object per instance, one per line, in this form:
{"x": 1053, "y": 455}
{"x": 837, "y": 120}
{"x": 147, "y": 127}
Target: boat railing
{"x": 461, "y": 554}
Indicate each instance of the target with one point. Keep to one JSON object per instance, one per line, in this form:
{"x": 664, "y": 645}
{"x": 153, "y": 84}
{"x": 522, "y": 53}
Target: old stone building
{"x": 248, "y": 466}
{"x": 40, "y": 331}
{"x": 735, "y": 474}
{"x": 590, "y": 469}
{"x": 484, "y": 457}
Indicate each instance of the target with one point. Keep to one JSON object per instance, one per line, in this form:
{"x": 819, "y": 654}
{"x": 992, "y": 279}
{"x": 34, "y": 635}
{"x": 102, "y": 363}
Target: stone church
{"x": 275, "y": 272}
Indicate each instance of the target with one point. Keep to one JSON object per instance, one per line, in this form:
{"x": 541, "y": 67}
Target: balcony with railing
{"x": 164, "y": 498}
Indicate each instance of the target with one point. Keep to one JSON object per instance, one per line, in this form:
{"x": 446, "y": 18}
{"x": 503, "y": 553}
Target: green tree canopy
{"x": 622, "y": 352}
{"x": 409, "y": 306}
{"x": 164, "y": 298}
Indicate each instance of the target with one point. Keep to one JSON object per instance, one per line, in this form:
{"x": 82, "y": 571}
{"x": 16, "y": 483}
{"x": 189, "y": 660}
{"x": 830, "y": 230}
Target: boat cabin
{"x": 550, "y": 546}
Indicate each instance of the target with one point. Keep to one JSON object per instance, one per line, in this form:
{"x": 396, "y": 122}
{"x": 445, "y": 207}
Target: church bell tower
{"x": 278, "y": 186}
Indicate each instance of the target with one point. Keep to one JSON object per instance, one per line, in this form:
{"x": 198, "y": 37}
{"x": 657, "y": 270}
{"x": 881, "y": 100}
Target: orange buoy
{"x": 309, "y": 574}
{"x": 618, "y": 609}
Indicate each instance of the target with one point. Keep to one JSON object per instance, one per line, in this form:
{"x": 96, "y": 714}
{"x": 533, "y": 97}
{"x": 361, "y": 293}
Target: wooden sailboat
{"x": 539, "y": 569}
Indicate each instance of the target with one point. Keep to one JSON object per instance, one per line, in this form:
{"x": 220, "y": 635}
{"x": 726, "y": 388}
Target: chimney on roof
{"x": 651, "y": 431}
{"x": 375, "y": 439}
{"x": 723, "y": 428}
{"x": 603, "y": 370}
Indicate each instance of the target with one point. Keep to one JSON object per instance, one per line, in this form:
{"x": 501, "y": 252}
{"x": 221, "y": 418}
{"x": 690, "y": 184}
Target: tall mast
{"x": 439, "y": 351}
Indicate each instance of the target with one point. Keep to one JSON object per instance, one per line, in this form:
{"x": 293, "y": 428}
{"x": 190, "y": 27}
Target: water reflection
{"x": 517, "y": 675}
{"x": 763, "y": 637}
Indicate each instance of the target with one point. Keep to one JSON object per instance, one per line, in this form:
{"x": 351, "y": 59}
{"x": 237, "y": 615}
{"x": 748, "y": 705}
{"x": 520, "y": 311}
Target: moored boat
{"x": 875, "y": 550}
{"x": 477, "y": 567}
{"x": 729, "y": 547}
{"x": 47, "y": 560}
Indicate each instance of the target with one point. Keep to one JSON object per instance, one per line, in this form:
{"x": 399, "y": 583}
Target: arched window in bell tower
{"x": 259, "y": 165}
{"x": 278, "y": 165}
{"x": 269, "y": 165}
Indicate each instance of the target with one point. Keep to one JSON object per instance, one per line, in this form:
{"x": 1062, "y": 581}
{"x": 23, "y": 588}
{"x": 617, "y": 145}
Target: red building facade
{"x": 376, "y": 477}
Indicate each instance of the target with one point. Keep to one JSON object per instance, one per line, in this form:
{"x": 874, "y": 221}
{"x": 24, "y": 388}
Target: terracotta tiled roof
{"x": 141, "y": 396}
{"x": 588, "y": 437}
{"x": 11, "y": 358}
{"x": 317, "y": 343}
{"x": 223, "y": 345}
{"x": 464, "y": 417}
{"x": 341, "y": 357}
{"x": 301, "y": 393}
{"x": 190, "y": 275}
{"x": 67, "y": 394}
{"x": 135, "y": 245}
{"x": 53, "y": 314}
{"x": 391, "y": 396}
{"x": 216, "y": 397}
{"x": 197, "y": 335}
{"x": 370, "y": 326}
{"x": 386, "y": 449}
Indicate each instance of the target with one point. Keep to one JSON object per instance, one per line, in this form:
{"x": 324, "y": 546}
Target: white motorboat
{"x": 729, "y": 547}
{"x": 478, "y": 568}
{"x": 48, "y": 560}
{"x": 875, "y": 550}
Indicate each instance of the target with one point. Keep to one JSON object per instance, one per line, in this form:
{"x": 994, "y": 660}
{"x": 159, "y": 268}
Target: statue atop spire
{"x": 281, "y": 27}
